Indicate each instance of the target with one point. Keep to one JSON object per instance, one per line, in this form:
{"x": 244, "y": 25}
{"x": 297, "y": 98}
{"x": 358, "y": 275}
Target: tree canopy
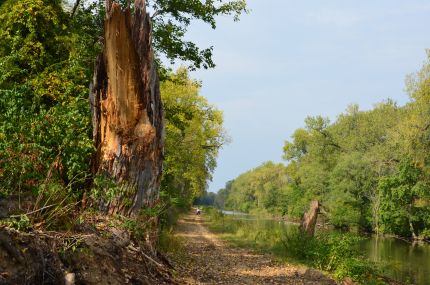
{"x": 194, "y": 135}
{"x": 171, "y": 20}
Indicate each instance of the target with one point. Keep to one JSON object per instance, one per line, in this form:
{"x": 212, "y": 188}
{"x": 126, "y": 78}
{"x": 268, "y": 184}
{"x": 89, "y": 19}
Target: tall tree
{"x": 194, "y": 135}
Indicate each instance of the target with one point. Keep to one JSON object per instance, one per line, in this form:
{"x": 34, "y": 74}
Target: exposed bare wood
{"x": 127, "y": 111}
{"x": 309, "y": 220}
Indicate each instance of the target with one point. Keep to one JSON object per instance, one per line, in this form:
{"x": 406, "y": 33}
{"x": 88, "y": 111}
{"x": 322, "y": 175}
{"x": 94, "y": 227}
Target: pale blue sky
{"x": 290, "y": 59}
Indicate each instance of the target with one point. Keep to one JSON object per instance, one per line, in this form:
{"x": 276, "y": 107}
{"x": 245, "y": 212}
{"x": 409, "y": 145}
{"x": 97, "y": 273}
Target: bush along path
{"x": 205, "y": 259}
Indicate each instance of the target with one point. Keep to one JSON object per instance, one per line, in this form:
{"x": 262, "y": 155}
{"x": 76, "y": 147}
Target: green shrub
{"x": 336, "y": 253}
{"x": 46, "y": 60}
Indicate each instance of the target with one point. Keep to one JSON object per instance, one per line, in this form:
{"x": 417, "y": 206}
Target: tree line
{"x": 369, "y": 169}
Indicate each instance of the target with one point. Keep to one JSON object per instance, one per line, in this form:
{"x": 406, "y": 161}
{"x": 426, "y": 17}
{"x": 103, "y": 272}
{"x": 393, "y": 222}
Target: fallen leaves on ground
{"x": 206, "y": 259}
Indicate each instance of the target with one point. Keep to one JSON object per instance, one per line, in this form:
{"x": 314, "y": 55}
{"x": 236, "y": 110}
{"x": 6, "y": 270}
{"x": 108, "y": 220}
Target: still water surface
{"x": 400, "y": 260}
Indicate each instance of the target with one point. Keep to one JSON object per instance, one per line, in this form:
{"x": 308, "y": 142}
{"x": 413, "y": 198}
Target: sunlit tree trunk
{"x": 411, "y": 226}
{"x": 309, "y": 221}
{"x": 127, "y": 112}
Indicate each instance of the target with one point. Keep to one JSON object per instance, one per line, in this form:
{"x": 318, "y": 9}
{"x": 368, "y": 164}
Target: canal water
{"x": 400, "y": 260}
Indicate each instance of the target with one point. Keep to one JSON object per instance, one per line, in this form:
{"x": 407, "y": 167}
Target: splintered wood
{"x": 127, "y": 111}
{"x": 309, "y": 220}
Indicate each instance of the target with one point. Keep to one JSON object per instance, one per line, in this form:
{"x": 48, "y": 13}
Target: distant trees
{"x": 207, "y": 199}
{"x": 260, "y": 189}
{"x": 222, "y": 195}
{"x": 369, "y": 169}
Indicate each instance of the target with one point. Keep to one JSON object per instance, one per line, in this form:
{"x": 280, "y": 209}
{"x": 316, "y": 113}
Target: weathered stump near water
{"x": 309, "y": 221}
{"x": 127, "y": 114}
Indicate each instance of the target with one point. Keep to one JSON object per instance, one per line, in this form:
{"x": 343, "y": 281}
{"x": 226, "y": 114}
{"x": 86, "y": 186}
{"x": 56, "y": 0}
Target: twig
{"x": 32, "y": 212}
{"x": 150, "y": 259}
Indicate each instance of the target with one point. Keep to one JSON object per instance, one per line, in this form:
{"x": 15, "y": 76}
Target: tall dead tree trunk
{"x": 309, "y": 221}
{"x": 127, "y": 112}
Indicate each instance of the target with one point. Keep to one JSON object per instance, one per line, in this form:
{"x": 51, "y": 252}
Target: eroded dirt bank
{"x": 92, "y": 257}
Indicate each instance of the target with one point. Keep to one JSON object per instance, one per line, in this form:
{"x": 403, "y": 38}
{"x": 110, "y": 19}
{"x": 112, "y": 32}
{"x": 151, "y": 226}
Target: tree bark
{"x": 127, "y": 113}
{"x": 309, "y": 221}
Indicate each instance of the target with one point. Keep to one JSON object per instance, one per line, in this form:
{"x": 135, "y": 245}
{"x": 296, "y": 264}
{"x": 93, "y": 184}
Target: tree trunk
{"x": 411, "y": 226}
{"x": 309, "y": 221}
{"x": 127, "y": 113}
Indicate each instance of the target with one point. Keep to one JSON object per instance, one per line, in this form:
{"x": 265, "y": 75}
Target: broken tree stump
{"x": 127, "y": 113}
{"x": 309, "y": 220}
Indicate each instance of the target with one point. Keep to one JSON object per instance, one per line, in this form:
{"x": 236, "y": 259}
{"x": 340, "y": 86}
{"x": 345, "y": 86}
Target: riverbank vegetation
{"x": 369, "y": 169}
{"x": 336, "y": 253}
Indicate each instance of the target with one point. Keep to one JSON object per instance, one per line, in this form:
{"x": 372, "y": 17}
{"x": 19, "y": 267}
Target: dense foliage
{"x": 47, "y": 55}
{"x": 260, "y": 188}
{"x": 45, "y": 66}
{"x": 194, "y": 134}
{"x": 370, "y": 169}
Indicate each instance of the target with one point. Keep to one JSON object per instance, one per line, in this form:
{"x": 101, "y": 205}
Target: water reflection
{"x": 401, "y": 260}
{"x": 233, "y": 213}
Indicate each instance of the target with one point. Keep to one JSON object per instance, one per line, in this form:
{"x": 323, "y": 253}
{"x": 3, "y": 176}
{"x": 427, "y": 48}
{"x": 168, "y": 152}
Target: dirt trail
{"x": 208, "y": 260}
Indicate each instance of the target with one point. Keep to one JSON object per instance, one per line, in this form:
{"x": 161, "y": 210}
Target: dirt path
{"x": 208, "y": 260}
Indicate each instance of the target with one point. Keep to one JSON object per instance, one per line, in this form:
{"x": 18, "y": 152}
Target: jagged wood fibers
{"x": 127, "y": 111}
{"x": 309, "y": 221}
